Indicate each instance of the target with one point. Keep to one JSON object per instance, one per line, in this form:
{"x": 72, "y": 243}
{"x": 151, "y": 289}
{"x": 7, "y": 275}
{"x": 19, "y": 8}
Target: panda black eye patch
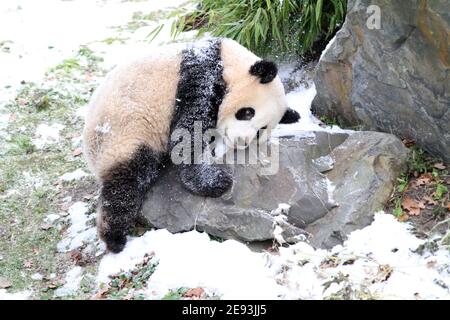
{"x": 245, "y": 114}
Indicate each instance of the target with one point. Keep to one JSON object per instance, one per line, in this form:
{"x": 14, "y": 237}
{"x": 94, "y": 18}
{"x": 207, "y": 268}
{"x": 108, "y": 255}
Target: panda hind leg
{"x": 122, "y": 194}
{"x": 208, "y": 180}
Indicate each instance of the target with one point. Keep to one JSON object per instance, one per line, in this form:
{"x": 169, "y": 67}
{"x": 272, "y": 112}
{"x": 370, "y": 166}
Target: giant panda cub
{"x": 132, "y": 115}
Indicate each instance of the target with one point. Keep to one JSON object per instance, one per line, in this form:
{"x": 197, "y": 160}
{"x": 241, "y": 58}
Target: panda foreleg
{"x": 123, "y": 191}
{"x": 209, "y": 180}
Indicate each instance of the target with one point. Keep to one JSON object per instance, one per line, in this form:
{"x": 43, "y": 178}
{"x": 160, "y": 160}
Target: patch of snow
{"x": 76, "y": 141}
{"x": 105, "y": 128}
{"x": 47, "y": 134}
{"x": 22, "y": 295}
{"x": 4, "y": 120}
{"x": 79, "y": 233}
{"x": 74, "y": 175}
{"x": 82, "y": 111}
{"x": 191, "y": 259}
{"x": 278, "y": 235}
{"x": 37, "y": 276}
{"x": 330, "y": 190}
{"x": 231, "y": 270}
{"x": 386, "y": 242}
{"x": 300, "y": 100}
{"x": 44, "y": 31}
{"x": 283, "y": 208}
{"x": 32, "y": 180}
{"x": 51, "y": 218}
{"x": 73, "y": 279}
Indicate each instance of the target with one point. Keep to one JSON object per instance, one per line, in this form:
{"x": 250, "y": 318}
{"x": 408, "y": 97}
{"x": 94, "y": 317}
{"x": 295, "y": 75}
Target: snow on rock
{"x": 46, "y": 134}
{"x": 22, "y": 295}
{"x": 378, "y": 258}
{"x": 74, "y": 175}
{"x": 300, "y": 100}
{"x": 330, "y": 43}
{"x": 79, "y": 232}
{"x": 72, "y": 282}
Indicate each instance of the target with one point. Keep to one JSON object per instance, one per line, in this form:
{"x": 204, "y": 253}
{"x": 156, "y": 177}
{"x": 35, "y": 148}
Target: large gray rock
{"x": 362, "y": 166}
{"x": 395, "y": 79}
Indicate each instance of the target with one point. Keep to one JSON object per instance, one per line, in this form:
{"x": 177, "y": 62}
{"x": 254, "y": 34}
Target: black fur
{"x": 265, "y": 70}
{"x": 123, "y": 192}
{"x": 290, "y": 116}
{"x": 200, "y": 92}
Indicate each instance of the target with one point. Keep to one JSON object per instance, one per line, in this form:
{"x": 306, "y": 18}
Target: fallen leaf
{"x": 101, "y": 294}
{"x": 52, "y": 285}
{"x": 194, "y": 293}
{"x": 27, "y": 264}
{"x": 439, "y": 166}
{"x": 408, "y": 142}
{"x": 88, "y": 196}
{"x": 423, "y": 179}
{"x": 77, "y": 152}
{"x": 430, "y": 200}
{"x": 403, "y": 218}
{"x": 412, "y": 206}
{"x": 21, "y": 102}
{"x": 5, "y": 283}
{"x": 76, "y": 256}
{"x": 384, "y": 272}
{"x": 46, "y": 226}
{"x": 431, "y": 263}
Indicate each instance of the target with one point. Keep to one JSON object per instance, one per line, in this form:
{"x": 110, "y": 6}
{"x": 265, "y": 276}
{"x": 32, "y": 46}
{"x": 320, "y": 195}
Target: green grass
{"x": 84, "y": 62}
{"x": 127, "y": 284}
{"x": 112, "y": 40}
{"x": 329, "y": 121}
{"x": 28, "y": 176}
{"x": 418, "y": 163}
{"x": 267, "y": 27}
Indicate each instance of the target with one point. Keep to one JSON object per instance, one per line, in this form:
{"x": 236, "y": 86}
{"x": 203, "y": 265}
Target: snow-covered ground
{"x": 39, "y": 34}
{"x": 375, "y": 262}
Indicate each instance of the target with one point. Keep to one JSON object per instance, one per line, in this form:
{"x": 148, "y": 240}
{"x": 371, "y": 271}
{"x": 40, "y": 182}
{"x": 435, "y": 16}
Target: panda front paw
{"x": 206, "y": 180}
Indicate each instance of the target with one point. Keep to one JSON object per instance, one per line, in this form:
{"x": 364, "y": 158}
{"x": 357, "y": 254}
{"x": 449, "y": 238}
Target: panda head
{"x": 253, "y": 105}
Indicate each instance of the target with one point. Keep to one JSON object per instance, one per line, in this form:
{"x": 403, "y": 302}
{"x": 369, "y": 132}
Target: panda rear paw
{"x": 115, "y": 241}
{"x": 206, "y": 180}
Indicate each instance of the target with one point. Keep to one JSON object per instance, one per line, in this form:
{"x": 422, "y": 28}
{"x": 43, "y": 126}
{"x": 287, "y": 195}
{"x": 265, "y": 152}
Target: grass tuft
{"x": 266, "y": 27}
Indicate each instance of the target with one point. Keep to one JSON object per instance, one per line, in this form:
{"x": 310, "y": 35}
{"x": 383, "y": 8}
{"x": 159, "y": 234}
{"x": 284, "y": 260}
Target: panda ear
{"x": 265, "y": 70}
{"x": 290, "y": 116}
